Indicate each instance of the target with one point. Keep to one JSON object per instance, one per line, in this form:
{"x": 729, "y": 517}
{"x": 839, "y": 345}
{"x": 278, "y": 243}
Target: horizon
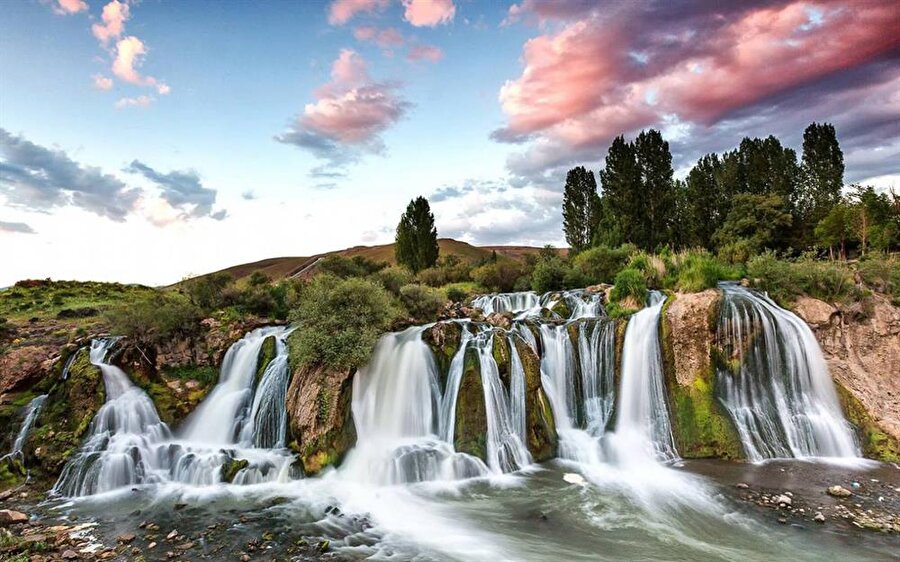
{"x": 143, "y": 142}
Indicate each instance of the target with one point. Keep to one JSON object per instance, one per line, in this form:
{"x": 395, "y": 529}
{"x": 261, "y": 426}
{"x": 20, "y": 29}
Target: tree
{"x": 581, "y": 208}
{"x": 656, "y": 211}
{"x": 705, "y": 199}
{"x": 620, "y": 180}
{"x": 757, "y": 219}
{"x": 822, "y": 172}
{"x": 872, "y": 218}
{"x": 416, "y": 242}
{"x": 836, "y": 229}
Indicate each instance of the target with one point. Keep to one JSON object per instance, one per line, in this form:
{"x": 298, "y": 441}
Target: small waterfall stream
{"x": 779, "y": 394}
{"x": 32, "y": 411}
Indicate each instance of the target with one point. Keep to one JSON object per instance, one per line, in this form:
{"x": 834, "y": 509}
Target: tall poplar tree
{"x": 581, "y": 208}
{"x": 656, "y": 210}
{"x": 822, "y": 172}
{"x": 416, "y": 245}
{"x": 620, "y": 180}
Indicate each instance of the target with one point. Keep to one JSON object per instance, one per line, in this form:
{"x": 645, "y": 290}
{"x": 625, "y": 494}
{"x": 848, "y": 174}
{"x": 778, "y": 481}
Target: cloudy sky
{"x": 142, "y": 141}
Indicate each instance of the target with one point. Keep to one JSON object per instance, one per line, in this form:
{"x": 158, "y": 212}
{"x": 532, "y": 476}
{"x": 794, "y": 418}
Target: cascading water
{"x": 643, "y": 430}
{"x": 396, "y": 407}
{"x": 777, "y": 388}
{"x": 32, "y": 411}
{"x": 507, "y": 302}
{"x": 266, "y": 426}
{"x": 121, "y": 448}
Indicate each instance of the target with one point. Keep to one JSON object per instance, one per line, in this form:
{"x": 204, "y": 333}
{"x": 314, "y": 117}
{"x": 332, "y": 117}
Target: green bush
{"x": 156, "y": 319}
{"x": 500, "y": 276}
{"x": 393, "y": 278}
{"x": 785, "y": 280}
{"x": 652, "y": 267}
{"x": 695, "y": 271}
{"x": 736, "y": 252}
{"x": 461, "y": 292}
{"x": 630, "y": 285}
{"x": 600, "y": 264}
{"x": 882, "y": 275}
{"x": 549, "y": 275}
{"x": 339, "y": 321}
{"x": 345, "y": 267}
{"x": 206, "y": 292}
{"x": 422, "y": 302}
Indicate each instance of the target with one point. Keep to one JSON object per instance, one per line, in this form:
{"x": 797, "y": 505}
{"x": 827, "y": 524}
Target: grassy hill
{"x": 279, "y": 268}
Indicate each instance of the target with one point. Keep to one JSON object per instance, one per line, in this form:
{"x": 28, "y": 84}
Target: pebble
{"x": 784, "y": 500}
{"x": 742, "y": 485}
{"x": 151, "y": 545}
{"x": 126, "y": 538}
{"x": 819, "y": 518}
{"x": 839, "y": 492}
{"x": 70, "y": 555}
{"x": 172, "y": 535}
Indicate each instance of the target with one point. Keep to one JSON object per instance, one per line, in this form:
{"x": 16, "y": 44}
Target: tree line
{"x": 756, "y": 197}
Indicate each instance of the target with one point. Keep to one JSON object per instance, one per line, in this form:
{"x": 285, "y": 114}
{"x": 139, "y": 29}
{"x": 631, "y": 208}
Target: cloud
{"x": 102, "y": 82}
{"x": 342, "y": 11}
{"x": 182, "y": 190}
{"x": 39, "y": 179}
{"x": 424, "y": 53}
{"x": 386, "y": 39}
{"x": 428, "y": 13}
{"x": 114, "y": 16}
{"x": 596, "y": 74}
{"x": 66, "y": 7}
{"x": 130, "y": 53}
{"x": 248, "y": 195}
{"x": 349, "y": 115}
{"x": 16, "y": 228}
{"x": 138, "y": 101}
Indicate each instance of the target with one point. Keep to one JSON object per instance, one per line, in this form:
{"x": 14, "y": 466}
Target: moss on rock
{"x": 470, "y": 431}
{"x": 875, "y": 443}
{"x": 231, "y": 467}
{"x": 266, "y": 354}
{"x": 540, "y": 426}
{"x": 700, "y": 425}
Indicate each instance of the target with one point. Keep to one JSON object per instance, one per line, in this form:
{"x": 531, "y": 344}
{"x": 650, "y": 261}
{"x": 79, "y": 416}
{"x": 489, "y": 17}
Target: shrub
{"x": 629, "y": 285}
{"x": 433, "y": 276}
{"x": 422, "y": 302}
{"x": 736, "y": 252}
{"x": 600, "y": 264}
{"x": 785, "y": 280}
{"x": 461, "y": 292}
{"x": 155, "y": 319}
{"x": 652, "y": 267}
{"x": 699, "y": 270}
{"x": 341, "y": 266}
{"x": 339, "y": 321}
{"x": 206, "y": 291}
{"x": 882, "y": 275}
{"x": 772, "y": 275}
{"x": 498, "y": 276}
{"x": 549, "y": 275}
{"x": 393, "y": 278}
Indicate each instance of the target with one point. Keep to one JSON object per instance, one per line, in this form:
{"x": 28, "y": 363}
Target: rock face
{"x": 320, "y": 417}
{"x": 540, "y": 427}
{"x": 23, "y": 367}
{"x": 700, "y": 425}
{"x": 862, "y": 347}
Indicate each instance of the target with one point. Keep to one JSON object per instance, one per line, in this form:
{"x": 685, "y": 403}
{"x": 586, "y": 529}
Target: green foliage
{"x": 155, "y": 319}
{"x": 206, "y": 292}
{"x": 601, "y": 263}
{"x": 549, "y": 275}
{"x": 651, "y": 266}
{"x": 45, "y": 299}
{"x": 416, "y": 244}
{"x": 822, "y": 172}
{"x": 448, "y": 270}
{"x": 784, "y": 280}
{"x": 393, "y": 278}
{"x": 500, "y": 275}
{"x": 630, "y": 287}
{"x": 461, "y": 292}
{"x": 339, "y": 321}
{"x": 696, "y": 271}
{"x": 756, "y": 219}
{"x": 882, "y": 275}
{"x": 581, "y": 208}
{"x": 341, "y": 266}
{"x": 422, "y": 302}
{"x": 736, "y": 252}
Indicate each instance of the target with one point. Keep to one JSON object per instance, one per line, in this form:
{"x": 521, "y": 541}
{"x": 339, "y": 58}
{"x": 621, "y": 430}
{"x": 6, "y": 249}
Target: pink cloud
{"x": 424, "y": 53}
{"x": 114, "y": 16}
{"x": 601, "y": 75}
{"x": 428, "y": 13}
{"x": 342, "y": 11}
{"x": 65, "y": 7}
{"x": 102, "y": 82}
{"x": 386, "y": 39}
{"x": 349, "y": 114}
{"x": 130, "y": 53}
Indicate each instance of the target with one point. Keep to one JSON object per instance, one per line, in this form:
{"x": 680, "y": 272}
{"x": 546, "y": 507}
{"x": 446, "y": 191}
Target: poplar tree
{"x": 581, "y": 208}
{"x": 416, "y": 245}
{"x": 822, "y": 172}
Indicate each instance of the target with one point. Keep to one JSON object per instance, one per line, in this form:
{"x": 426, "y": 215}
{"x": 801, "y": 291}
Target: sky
{"x": 149, "y": 140}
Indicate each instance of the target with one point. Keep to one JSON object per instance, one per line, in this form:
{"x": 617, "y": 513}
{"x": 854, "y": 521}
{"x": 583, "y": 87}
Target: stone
{"x": 741, "y": 485}
{"x": 10, "y": 517}
{"x": 151, "y": 545}
{"x": 172, "y": 534}
{"x": 69, "y": 554}
{"x": 126, "y": 538}
{"x": 784, "y": 500}
{"x": 839, "y": 492}
{"x": 819, "y": 518}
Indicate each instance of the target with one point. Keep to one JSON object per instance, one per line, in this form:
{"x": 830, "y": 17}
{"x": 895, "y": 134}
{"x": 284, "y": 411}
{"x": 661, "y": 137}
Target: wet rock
{"x": 70, "y": 555}
{"x": 126, "y": 538}
{"x": 10, "y": 517}
{"x": 839, "y": 492}
{"x": 172, "y": 534}
{"x": 151, "y": 545}
{"x": 819, "y": 518}
{"x": 500, "y": 319}
{"x": 230, "y": 469}
{"x": 741, "y": 485}
{"x": 784, "y": 500}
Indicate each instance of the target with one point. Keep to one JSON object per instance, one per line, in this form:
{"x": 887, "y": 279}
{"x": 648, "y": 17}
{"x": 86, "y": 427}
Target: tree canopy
{"x": 416, "y": 243}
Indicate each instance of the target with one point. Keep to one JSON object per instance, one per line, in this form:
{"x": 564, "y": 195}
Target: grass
{"x": 45, "y": 300}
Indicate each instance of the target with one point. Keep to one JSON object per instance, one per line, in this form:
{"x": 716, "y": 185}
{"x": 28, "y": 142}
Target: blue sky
{"x": 505, "y": 97}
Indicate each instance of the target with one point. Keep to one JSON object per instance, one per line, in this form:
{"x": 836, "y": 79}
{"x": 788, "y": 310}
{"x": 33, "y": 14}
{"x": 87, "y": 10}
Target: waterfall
{"x": 507, "y": 302}
{"x": 31, "y": 413}
{"x": 643, "y": 429}
{"x": 121, "y": 446}
{"x": 777, "y": 388}
{"x": 597, "y": 354}
{"x": 266, "y": 426}
{"x": 396, "y": 407}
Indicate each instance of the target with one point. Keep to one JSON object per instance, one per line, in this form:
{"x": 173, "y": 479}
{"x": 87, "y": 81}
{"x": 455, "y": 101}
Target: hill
{"x": 280, "y": 268}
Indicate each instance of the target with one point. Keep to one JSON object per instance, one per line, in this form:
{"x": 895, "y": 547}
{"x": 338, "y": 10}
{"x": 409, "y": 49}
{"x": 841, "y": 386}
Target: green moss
{"x": 443, "y": 339}
{"x": 500, "y": 352}
{"x": 875, "y": 443}
{"x": 232, "y": 467}
{"x": 266, "y": 353}
{"x": 330, "y": 447}
{"x": 700, "y": 425}
{"x": 540, "y": 426}
{"x": 470, "y": 433}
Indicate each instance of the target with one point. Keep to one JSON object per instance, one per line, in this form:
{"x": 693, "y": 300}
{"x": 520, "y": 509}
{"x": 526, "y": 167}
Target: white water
{"x": 120, "y": 449}
{"x": 31, "y": 413}
{"x": 782, "y": 398}
{"x": 507, "y": 302}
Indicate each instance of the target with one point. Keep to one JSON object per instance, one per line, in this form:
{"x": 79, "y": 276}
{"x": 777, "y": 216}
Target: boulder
{"x": 10, "y": 517}
{"x": 839, "y": 492}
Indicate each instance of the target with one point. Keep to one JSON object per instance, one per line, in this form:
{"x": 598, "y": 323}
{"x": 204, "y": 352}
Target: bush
{"x": 433, "y": 277}
{"x": 461, "y": 292}
{"x": 652, "y": 267}
{"x": 345, "y": 267}
{"x": 393, "y": 278}
{"x": 600, "y": 264}
{"x": 500, "y": 276}
{"x": 156, "y": 319}
{"x": 422, "y": 302}
{"x": 630, "y": 285}
{"x": 696, "y": 271}
{"x": 737, "y": 252}
{"x": 339, "y": 321}
{"x": 549, "y": 275}
{"x": 206, "y": 291}
{"x": 785, "y": 280}
{"x": 882, "y": 275}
